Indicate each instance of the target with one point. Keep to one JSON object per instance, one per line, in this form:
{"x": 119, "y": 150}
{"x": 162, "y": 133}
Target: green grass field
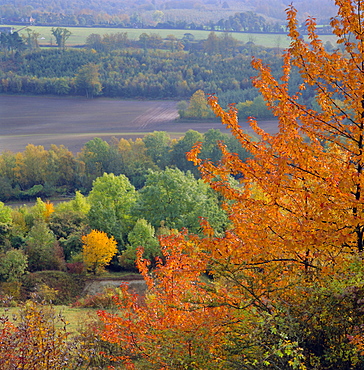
{"x": 80, "y": 34}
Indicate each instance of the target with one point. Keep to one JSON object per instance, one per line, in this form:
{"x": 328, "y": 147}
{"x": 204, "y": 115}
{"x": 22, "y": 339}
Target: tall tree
{"x": 157, "y": 144}
{"x": 111, "y": 200}
{"x": 293, "y": 250}
{"x": 31, "y": 39}
{"x": 95, "y": 154}
{"x": 177, "y": 200}
{"x": 61, "y": 35}
{"x": 88, "y": 80}
{"x": 198, "y": 107}
{"x": 180, "y": 149}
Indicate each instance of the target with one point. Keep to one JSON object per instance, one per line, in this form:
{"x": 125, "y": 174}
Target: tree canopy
{"x": 286, "y": 275}
{"x": 177, "y": 200}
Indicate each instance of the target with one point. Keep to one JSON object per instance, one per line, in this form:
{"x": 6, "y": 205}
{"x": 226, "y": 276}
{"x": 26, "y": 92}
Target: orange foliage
{"x": 296, "y": 220}
{"x": 172, "y": 327}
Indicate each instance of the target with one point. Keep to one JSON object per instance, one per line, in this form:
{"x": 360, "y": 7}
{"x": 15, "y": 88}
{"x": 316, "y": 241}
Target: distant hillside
{"x": 142, "y": 13}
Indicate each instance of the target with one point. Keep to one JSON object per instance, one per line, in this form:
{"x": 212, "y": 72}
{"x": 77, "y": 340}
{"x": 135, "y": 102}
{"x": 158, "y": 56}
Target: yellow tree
{"x": 98, "y": 250}
{"x": 198, "y": 106}
{"x": 289, "y": 266}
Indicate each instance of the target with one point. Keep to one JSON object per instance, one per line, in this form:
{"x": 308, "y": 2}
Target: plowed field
{"x": 74, "y": 121}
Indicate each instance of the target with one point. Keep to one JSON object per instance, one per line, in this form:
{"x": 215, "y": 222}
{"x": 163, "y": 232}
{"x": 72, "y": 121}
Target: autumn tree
{"x": 170, "y": 329}
{"x": 292, "y": 253}
{"x": 31, "y": 166}
{"x": 135, "y": 159}
{"x": 198, "y": 107}
{"x": 88, "y": 80}
{"x": 98, "y": 250}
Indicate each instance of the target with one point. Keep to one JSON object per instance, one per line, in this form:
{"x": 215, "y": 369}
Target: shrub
{"x": 100, "y": 300}
{"x": 68, "y": 286}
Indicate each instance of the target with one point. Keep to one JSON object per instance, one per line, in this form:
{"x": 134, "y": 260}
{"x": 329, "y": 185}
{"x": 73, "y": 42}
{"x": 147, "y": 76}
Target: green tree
{"x": 31, "y": 39}
{"x": 181, "y": 147}
{"x": 142, "y": 235}
{"x": 36, "y": 213}
{"x": 256, "y": 108}
{"x": 144, "y": 40}
{"x": 79, "y": 204}
{"x": 212, "y": 44}
{"x": 62, "y": 170}
{"x": 211, "y": 148}
{"x": 7, "y": 175}
{"x": 157, "y": 145}
{"x": 88, "y": 80}
{"x": 95, "y": 41}
{"x": 5, "y": 225}
{"x": 42, "y": 250}
{"x": 178, "y": 200}
{"x": 95, "y": 156}
{"x": 135, "y": 160}
{"x": 111, "y": 199}
{"x": 68, "y": 227}
{"x": 61, "y": 35}
{"x": 13, "y": 265}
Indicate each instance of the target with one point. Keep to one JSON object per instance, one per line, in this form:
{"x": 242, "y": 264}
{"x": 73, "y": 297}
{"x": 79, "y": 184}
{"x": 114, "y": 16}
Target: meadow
{"x": 80, "y": 34}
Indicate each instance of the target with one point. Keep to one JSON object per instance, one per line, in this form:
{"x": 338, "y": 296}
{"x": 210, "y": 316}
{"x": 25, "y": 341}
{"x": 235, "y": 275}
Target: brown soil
{"x": 74, "y": 121}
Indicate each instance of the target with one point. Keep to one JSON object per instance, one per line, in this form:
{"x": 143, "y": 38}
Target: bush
{"x": 75, "y": 267}
{"x": 67, "y": 286}
{"x": 100, "y": 300}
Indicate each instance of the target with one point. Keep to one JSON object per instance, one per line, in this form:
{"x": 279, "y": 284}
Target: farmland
{"x": 80, "y": 34}
{"x": 74, "y": 121}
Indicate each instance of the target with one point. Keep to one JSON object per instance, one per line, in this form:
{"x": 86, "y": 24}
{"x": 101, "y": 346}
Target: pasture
{"x": 74, "y": 121}
{"x": 80, "y": 34}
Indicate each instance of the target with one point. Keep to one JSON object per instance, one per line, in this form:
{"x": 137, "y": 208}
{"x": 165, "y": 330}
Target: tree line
{"x": 111, "y": 14}
{"x": 114, "y": 66}
{"x": 37, "y": 172}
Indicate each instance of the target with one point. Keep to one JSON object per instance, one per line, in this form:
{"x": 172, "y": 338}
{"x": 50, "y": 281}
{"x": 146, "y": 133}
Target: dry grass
{"x": 76, "y": 318}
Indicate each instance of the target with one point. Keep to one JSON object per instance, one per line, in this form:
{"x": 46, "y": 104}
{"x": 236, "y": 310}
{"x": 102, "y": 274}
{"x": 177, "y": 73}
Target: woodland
{"x": 251, "y": 249}
{"x": 115, "y": 66}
